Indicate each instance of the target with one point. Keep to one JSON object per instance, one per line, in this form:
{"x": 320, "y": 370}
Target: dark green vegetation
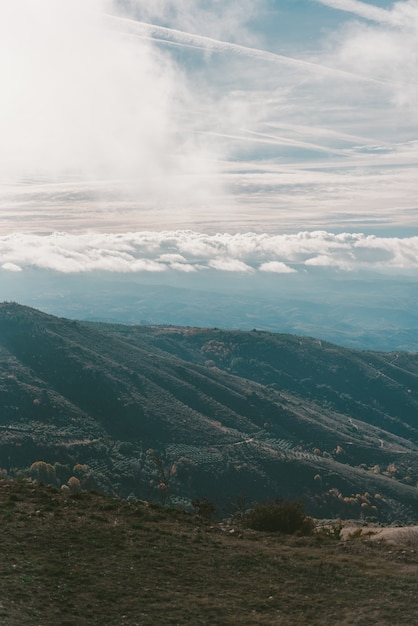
{"x": 84, "y": 559}
{"x": 283, "y": 516}
{"x": 174, "y": 414}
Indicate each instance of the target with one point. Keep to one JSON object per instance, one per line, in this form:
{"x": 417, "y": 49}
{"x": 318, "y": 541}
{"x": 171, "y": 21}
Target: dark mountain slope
{"x": 376, "y": 387}
{"x": 224, "y": 413}
{"x": 127, "y": 389}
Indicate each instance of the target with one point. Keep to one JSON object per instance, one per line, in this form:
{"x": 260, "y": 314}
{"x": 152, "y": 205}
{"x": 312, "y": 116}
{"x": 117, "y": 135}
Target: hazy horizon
{"x": 157, "y": 137}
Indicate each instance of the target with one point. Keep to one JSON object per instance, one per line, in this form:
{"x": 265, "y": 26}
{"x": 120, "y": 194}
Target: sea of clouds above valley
{"x": 189, "y": 251}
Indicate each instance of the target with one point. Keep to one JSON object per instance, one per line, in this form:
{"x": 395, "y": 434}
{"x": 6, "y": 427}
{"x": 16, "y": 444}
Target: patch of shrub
{"x": 205, "y": 508}
{"x": 283, "y": 516}
{"x": 43, "y": 472}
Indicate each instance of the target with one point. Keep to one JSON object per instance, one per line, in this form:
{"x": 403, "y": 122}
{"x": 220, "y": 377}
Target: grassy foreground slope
{"x": 85, "y": 560}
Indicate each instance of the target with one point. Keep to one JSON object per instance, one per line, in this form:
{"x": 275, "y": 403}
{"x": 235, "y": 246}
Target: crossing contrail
{"x": 367, "y": 11}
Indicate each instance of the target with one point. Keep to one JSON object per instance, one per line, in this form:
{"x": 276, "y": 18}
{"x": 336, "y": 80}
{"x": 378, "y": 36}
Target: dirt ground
{"x": 399, "y": 535}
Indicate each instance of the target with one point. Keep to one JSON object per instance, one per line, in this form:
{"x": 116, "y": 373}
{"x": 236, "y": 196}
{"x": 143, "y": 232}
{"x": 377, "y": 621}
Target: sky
{"x": 266, "y": 136}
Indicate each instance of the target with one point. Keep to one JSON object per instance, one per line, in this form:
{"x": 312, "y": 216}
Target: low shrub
{"x": 283, "y": 516}
{"x": 205, "y": 508}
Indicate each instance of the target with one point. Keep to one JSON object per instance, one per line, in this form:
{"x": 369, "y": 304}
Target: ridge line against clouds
{"x": 189, "y": 251}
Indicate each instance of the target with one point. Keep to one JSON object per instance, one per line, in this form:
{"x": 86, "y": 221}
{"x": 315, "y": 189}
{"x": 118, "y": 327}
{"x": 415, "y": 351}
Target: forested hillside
{"x": 173, "y": 414}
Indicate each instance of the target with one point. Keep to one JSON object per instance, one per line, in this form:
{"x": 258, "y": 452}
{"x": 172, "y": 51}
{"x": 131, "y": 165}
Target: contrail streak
{"x": 367, "y": 11}
{"x": 257, "y": 137}
{"x": 168, "y": 35}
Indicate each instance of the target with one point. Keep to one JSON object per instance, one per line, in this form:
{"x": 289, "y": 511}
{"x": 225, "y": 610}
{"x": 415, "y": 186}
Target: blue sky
{"x": 269, "y": 117}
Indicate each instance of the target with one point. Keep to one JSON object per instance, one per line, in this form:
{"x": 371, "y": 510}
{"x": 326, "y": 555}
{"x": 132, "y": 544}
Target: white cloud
{"x": 276, "y": 267}
{"x": 212, "y": 18}
{"x": 386, "y": 50}
{"x": 11, "y": 267}
{"x": 80, "y": 97}
{"x": 172, "y": 258}
{"x": 188, "y": 251}
{"x": 230, "y": 265}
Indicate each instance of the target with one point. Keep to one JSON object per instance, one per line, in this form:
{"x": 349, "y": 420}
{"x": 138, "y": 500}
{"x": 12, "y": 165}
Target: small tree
{"x": 43, "y": 472}
{"x": 63, "y": 472}
{"x": 204, "y": 508}
{"x": 166, "y": 471}
{"x": 74, "y": 484}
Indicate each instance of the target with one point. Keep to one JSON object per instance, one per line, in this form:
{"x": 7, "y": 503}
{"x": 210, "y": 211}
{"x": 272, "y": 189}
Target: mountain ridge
{"x": 223, "y": 412}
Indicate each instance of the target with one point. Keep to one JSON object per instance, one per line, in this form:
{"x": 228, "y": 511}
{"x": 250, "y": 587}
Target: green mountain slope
{"x": 177, "y": 413}
{"x": 376, "y": 387}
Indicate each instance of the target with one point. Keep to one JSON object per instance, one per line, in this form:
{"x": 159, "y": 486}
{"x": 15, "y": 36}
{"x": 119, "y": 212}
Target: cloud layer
{"x": 188, "y": 251}
{"x": 82, "y": 99}
{"x": 143, "y": 114}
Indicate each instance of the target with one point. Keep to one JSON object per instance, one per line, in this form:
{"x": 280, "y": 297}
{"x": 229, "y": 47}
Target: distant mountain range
{"x": 173, "y": 414}
{"x": 358, "y": 310}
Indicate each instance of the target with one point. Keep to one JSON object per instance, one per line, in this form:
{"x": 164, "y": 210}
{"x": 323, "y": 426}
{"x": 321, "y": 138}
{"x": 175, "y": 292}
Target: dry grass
{"x": 88, "y": 560}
